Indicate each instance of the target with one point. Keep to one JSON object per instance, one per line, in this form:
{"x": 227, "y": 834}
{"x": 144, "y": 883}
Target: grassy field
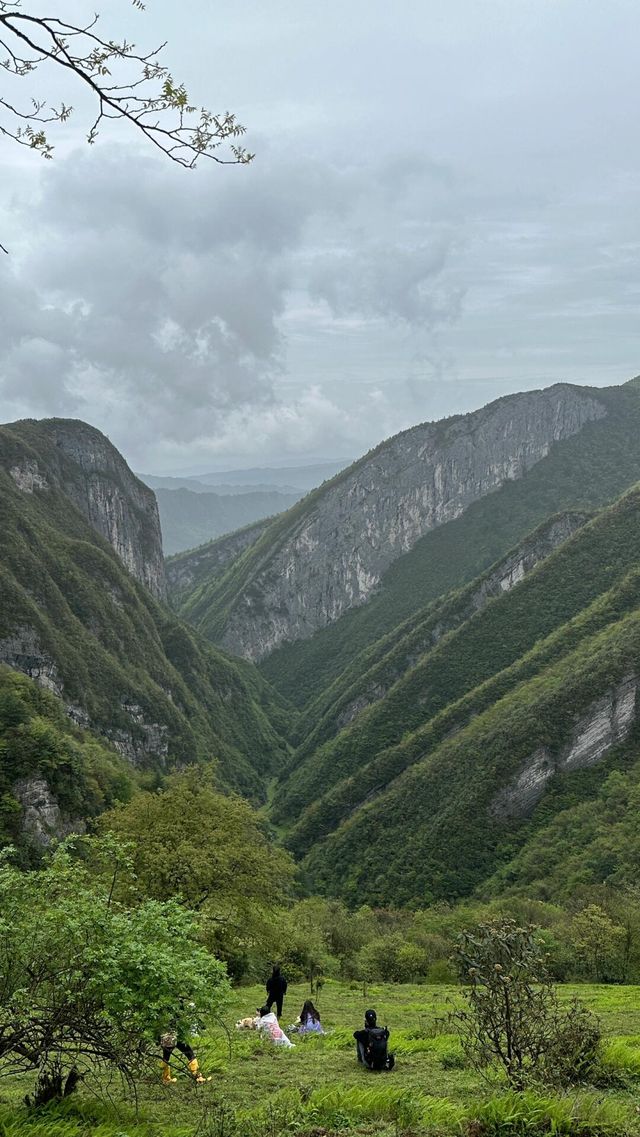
{"x": 318, "y": 1089}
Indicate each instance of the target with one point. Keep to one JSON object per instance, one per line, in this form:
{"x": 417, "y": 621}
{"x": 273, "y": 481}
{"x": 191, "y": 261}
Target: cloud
{"x": 152, "y": 302}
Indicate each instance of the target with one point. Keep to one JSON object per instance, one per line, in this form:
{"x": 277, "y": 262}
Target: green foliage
{"x": 39, "y": 742}
{"x": 209, "y": 851}
{"x": 532, "y": 1114}
{"x": 86, "y": 981}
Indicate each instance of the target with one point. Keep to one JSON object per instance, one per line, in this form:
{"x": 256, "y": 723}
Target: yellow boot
{"x": 166, "y": 1074}
{"x": 194, "y": 1070}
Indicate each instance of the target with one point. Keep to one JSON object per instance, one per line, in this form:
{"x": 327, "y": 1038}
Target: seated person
{"x": 309, "y": 1021}
{"x": 372, "y": 1044}
{"x": 268, "y": 1022}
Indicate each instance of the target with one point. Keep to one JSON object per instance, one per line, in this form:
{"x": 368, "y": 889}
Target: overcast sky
{"x": 444, "y": 207}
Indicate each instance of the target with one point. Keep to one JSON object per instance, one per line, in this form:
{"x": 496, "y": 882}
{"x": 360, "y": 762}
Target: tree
{"x": 599, "y": 942}
{"x": 87, "y": 982}
{"x": 209, "y": 851}
{"x": 125, "y": 82}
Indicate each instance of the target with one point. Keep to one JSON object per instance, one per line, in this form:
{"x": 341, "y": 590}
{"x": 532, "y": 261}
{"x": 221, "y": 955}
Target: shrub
{"x": 512, "y": 1017}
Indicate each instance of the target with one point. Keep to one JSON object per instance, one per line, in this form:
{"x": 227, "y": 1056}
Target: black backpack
{"x": 376, "y": 1049}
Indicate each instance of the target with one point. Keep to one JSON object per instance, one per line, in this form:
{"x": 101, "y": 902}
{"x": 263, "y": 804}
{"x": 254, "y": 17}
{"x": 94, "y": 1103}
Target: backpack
{"x": 376, "y": 1049}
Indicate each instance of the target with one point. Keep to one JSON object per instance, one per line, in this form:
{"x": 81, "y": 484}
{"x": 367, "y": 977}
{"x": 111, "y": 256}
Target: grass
{"x": 318, "y": 1089}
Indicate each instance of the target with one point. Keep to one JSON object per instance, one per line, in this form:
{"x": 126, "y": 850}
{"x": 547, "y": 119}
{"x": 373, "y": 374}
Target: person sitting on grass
{"x": 372, "y": 1044}
{"x": 309, "y": 1021}
{"x": 268, "y": 1022}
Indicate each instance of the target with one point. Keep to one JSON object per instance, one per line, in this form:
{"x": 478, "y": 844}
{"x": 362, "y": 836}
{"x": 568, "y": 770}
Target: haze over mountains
{"x": 437, "y": 651}
{"x": 240, "y": 498}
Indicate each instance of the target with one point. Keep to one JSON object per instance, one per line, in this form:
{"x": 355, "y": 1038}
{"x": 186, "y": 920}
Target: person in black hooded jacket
{"x": 276, "y": 990}
{"x": 372, "y": 1044}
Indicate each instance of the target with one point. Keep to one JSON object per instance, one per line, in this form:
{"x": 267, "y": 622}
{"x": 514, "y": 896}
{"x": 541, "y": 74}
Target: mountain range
{"x": 428, "y": 666}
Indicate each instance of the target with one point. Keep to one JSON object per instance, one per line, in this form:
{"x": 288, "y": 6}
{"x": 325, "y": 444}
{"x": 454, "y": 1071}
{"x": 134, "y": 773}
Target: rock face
{"x": 42, "y": 818}
{"x": 607, "y": 722}
{"x": 99, "y": 482}
{"x": 335, "y": 552}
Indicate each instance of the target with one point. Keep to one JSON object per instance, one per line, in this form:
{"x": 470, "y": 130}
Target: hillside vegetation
{"x": 38, "y": 742}
{"x": 484, "y": 644}
{"x": 584, "y": 472}
{"x": 73, "y": 617}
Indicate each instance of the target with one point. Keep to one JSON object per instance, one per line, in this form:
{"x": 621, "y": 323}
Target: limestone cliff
{"x": 328, "y": 553}
{"x": 80, "y": 461}
{"x": 607, "y": 722}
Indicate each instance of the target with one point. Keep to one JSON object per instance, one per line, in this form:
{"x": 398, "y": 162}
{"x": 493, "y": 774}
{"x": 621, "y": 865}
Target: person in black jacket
{"x": 276, "y": 990}
{"x": 372, "y": 1044}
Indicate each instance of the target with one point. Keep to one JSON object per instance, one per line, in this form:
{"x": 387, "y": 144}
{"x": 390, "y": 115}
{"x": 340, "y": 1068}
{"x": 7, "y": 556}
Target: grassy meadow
{"x": 318, "y": 1089}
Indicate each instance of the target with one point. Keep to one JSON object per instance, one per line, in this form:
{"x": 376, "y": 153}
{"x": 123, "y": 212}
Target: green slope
{"x": 38, "y": 741}
{"x": 432, "y": 832}
{"x": 490, "y": 641}
{"x": 143, "y": 679}
{"x": 587, "y": 843}
{"x": 374, "y": 671}
{"x": 584, "y": 472}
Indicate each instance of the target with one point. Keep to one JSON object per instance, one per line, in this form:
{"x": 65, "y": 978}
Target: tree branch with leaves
{"x": 125, "y": 81}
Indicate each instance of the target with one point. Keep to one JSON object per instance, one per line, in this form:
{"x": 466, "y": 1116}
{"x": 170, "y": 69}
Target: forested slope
{"x": 73, "y": 617}
{"x": 470, "y": 798}
{"x": 487, "y": 642}
{"x": 53, "y": 775}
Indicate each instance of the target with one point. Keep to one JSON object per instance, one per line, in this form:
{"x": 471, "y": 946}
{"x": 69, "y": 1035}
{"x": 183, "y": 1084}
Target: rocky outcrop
{"x": 42, "y": 819}
{"x": 91, "y": 472}
{"x": 116, "y": 503}
{"x": 23, "y": 651}
{"x": 137, "y": 743}
{"x": 334, "y": 553}
{"x": 607, "y": 722}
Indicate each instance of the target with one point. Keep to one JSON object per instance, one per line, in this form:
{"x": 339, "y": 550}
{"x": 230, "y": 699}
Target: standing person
{"x": 170, "y": 1042}
{"x": 371, "y": 1043}
{"x": 276, "y": 990}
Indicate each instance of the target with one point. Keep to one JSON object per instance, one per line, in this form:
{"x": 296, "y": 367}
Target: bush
{"x": 512, "y": 1018}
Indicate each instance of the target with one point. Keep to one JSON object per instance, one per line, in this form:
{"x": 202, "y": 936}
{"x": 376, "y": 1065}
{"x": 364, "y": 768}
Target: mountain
{"x": 81, "y": 612}
{"x": 330, "y": 552}
{"x": 481, "y": 682}
{"x": 522, "y": 710}
{"x": 223, "y": 489}
{"x": 184, "y": 571}
{"x": 189, "y": 519}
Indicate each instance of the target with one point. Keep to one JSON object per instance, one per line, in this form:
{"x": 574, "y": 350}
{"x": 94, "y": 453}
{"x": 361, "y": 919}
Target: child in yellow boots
{"x": 170, "y": 1042}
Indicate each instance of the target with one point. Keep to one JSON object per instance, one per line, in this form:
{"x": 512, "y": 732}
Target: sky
{"x": 443, "y": 208}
